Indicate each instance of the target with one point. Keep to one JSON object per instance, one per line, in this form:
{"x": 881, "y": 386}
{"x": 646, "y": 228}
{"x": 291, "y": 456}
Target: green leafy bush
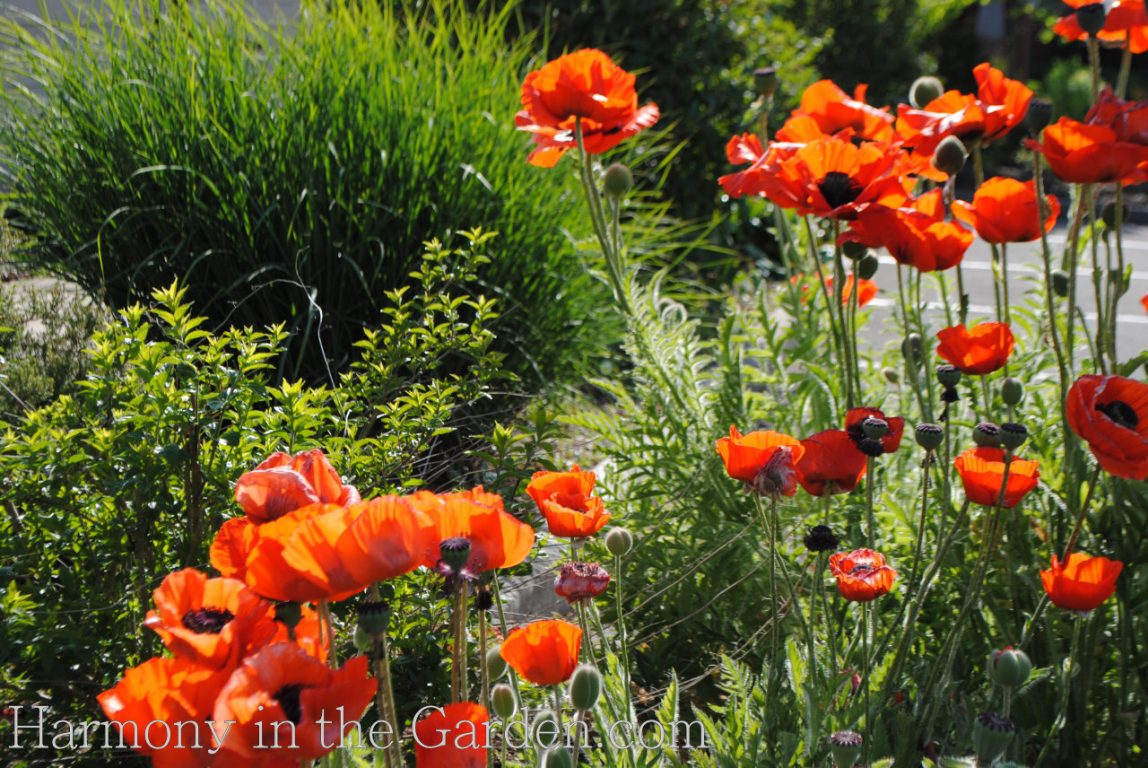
{"x": 291, "y": 177}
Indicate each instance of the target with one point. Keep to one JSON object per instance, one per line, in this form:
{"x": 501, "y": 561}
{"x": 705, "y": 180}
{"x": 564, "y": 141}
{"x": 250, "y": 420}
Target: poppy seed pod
{"x": 1012, "y": 435}
{"x": 558, "y": 758}
{"x": 619, "y": 541}
{"x": 874, "y": 427}
{"x": 992, "y": 733}
{"x": 1009, "y": 667}
{"x": 495, "y": 664}
{"x": 1060, "y": 283}
{"x": 1039, "y": 115}
{"x": 929, "y": 436}
{"x": 925, "y": 89}
{"x": 821, "y": 538}
{"x": 544, "y": 729}
{"x": 618, "y": 181}
{"x": 585, "y": 688}
{"x": 288, "y": 614}
{"x": 362, "y": 640}
{"x": 502, "y": 701}
{"x": 950, "y": 156}
{"x": 765, "y": 80}
{"x": 987, "y": 435}
{"x": 1012, "y": 391}
{"x": 374, "y": 616}
{"x": 1108, "y": 215}
{"x": 867, "y": 266}
{"x": 948, "y": 375}
{"x": 853, "y": 249}
{"x": 846, "y": 748}
{"x": 1091, "y": 18}
{"x": 454, "y": 552}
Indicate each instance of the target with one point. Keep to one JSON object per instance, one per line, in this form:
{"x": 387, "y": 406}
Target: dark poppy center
{"x": 288, "y": 698}
{"x": 839, "y": 189}
{"x": 207, "y": 621}
{"x": 1120, "y": 412}
{"x": 861, "y": 570}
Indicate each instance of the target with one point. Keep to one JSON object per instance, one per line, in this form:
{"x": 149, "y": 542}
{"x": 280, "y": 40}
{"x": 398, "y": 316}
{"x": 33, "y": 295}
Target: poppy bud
{"x": 1108, "y": 215}
{"x": 1038, "y": 116}
{"x": 1009, "y": 667}
{"x": 1012, "y": 391}
{"x": 948, "y": 375}
{"x": 585, "y": 688}
{"x": 288, "y": 614}
{"x": 1091, "y": 18}
{"x": 853, "y": 250}
{"x": 1012, "y": 436}
{"x": 765, "y": 80}
{"x": 992, "y": 733}
{"x": 821, "y": 539}
{"x": 581, "y": 581}
{"x": 1060, "y": 283}
{"x": 874, "y": 427}
{"x": 618, "y": 181}
{"x": 558, "y": 758}
{"x": 987, "y": 435}
{"x": 619, "y": 541}
{"x": 929, "y": 436}
{"x": 911, "y": 348}
{"x": 374, "y": 616}
{"x": 454, "y": 552}
{"x": 495, "y": 664}
{"x": 867, "y": 266}
{"x": 891, "y": 375}
{"x": 950, "y": 155}
{"x": 846, "y": 748}
{"x": 544, "y": 730}
{"x": 925, "y": 89}
{"x": 502, "y": 701}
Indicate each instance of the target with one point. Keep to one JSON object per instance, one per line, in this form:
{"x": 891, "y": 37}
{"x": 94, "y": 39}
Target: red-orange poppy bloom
{"x": 1110, "y": 413}
{"x": 982, "y": 470}
{"x": 213, "y": 621}
{"x": 866, "y": 294}
{"x": 543, "y": 652}
{"x": 276, "y": 699}
{"x": 1080, "y": 153}
{"x": 887, "y": 443}
{"x": 581, "y": 581}
{"x": 1144, "y": 302}
{"x": 764, "y": 460}
{"x": 1006, "y": 211}
{"x": 477, "y": 520}
{"x": 284, "y": 483}
{"x": 308, "y": 634}
{"x": 160, "y": 709}
{"x": 584, "y": 86}
{"x": 862, "y": 575}
{"x": 565, "y": 500}
{"x": 916, "y": 234}
{"x": 1081, "y": 584}
{"x": 982, "y": 349}
{"x": 831, "y": 463}
{"x": 454, "y": 736}
{"x": 1125, "y": 25}
{"x": 834, "y": 111}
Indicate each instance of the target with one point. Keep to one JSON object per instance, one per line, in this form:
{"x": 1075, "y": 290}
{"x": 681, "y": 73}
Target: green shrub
{"x": 291, "y": 177}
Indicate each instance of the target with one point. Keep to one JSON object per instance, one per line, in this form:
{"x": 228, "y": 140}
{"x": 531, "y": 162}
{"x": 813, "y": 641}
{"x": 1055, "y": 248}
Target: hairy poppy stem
{"x": 1080, "y": 517}
{"x": 1125, "y": 67}
{"x": 865, "y": 671}
{"x": 1098, "y": 279}
{"x": 1116, "y": 287}
{"x": 613, "y": 257}
{"x": 912, "y": 370}
{"x": 1065, "y": 692}
{"x": 870, "y": 520}
{"x": 623, "y": 642}
{"x": 838, "y": 334}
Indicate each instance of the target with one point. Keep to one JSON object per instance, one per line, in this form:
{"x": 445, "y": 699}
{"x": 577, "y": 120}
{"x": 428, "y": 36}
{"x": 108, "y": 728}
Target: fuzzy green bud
{"x": 502, "y": 701}
{"x": 1012, "y": 391}
{"x": 1010, "y": 667}
{"x": 925, "y": 89}
{"x": 891, "y": 375}
{"x": 1060, "y": 283}
{"x": 544, "y": 729}
{"x": 585, "y": 688}
{"x": 619, "y": 541}
{"x": 867, "y": 266}
{"x": 558, "y": 758}
{"x": 618, "y": 181}
{"x": 912, "y": 349}
{"x": 950, "y": 156}
{"x": 495, "y": 664}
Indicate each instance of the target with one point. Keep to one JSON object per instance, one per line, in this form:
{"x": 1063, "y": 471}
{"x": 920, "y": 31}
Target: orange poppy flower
{"x": 834, "y": 111}
{"x": 454, "y": 736}
{"x": 1126, "y": 24}
{"x": 564, "y": 500}
{"x": 831, "y": 463}
{"x": 213, "y": 621}
{"x": 477, "y": 519}
{"x": 284, "y": 483}
{"x": 862, "y": 575}
{"x": 1144, "y": 302}
{"x": 1006, "y": 211}
{"x": 160, "y": 709}
{"x": 764, "y": 460}
{"x": 308, "y": 635}
{"x": 746, "y": 149}
{"x": 1110, "y": 413}
{"x": 1079, "y": 153}
{"x": 1081, "y": 584}
{"x": 887, "y": 443}
{"x": 867, "y": 293}
{"x": 982, "y": 469}
{"x": 279, "y": 695}
{"x": 916, "y": 234}
{"x": 585, "y": 85}
{"x": 982, "y": 349}
{"x": 543, "y": 652}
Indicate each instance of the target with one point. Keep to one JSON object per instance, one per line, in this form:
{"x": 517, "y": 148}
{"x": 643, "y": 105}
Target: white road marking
{"x": 984, "y": 309}
{"x": 987, "y": 266}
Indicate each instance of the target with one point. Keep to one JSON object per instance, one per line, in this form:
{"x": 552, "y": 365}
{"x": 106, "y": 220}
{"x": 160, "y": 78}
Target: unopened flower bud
{"x": 867, "y": 266}
{"x": 821, "y": 539}
{"x": 618, "y": 181}
{"x": 1091, "y": 18}
{"x": 585, "y": 688}
{"x": 987, "y": 435}
{"x": 581, "y": 581}
{"x": 558, "y": 757}
{"x": 853, "y": 250}
{"x": 1010, "y": 667}
{"x": 950, "y": 155}
{"x": 845, "y": 747}
{"x": 1108, "y": 215}
{"x": 874, "y": 427}
{"x": 502, "y": 701}
{"x": 544, "y": 730}
{"x": 948, "y": 375}
{"x": 911, "y": 348}
{"x": 454, "y": 552}
{"x": 992, "y": 733}
{"x": 1012, "y": 391}
{"x": 495, "y": 664}
{"x": 1012, "y": 436}
{"x": 374, "y": 616}
{"x": 891, "y": 375}
{"x": 1039, "y": 115}
{"x": 619, "y": 541}
{"x": 929, "y": 436}
{"x": 925, "y": 89}
{"x": 765, "y": 80}
{"x": 1060, "y": 283}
